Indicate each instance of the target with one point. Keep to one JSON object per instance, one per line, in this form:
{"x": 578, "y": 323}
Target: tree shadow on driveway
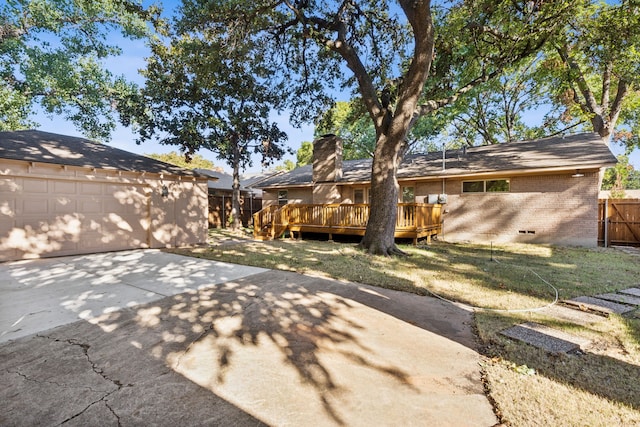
{"x": 273, "y": 347}
{"x": 291, "y": 349}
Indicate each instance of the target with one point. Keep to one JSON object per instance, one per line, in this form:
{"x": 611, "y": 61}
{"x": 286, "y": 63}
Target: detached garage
{"x": 62, "y": 195}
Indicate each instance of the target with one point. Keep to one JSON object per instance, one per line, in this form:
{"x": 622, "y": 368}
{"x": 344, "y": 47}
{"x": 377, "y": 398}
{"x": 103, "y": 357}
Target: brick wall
{"x": 327, "y": 159}
{"x": 554, "y": 209}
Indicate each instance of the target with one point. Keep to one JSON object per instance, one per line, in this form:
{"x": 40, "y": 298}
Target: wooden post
{"x": 606, "y": 223}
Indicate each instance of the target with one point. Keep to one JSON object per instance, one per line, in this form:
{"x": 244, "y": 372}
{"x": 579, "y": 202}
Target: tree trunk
{"x": 379, "y": 237}
{"x": 236, "y": 221}
{"x": 601, "y": 127}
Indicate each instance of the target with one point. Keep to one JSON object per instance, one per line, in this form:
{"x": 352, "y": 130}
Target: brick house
{"x": 539, "y": 191}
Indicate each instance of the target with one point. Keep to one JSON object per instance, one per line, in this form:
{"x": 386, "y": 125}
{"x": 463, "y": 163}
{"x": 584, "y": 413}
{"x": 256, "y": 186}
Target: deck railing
{"x": 414, "y": 220}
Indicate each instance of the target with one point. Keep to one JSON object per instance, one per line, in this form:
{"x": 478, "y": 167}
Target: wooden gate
{"x": 619, "y": 222}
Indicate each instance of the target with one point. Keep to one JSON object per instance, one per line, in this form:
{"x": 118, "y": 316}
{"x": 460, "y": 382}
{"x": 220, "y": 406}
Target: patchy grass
{"x": 529, "y": 386}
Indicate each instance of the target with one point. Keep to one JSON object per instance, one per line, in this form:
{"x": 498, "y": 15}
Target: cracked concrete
{"x": 271, "y": 348}
{"x": 85, "y": 349}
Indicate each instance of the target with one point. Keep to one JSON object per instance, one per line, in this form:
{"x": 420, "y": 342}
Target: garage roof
{"x": 45, "y": 147}
{"x": 580, "y": 151}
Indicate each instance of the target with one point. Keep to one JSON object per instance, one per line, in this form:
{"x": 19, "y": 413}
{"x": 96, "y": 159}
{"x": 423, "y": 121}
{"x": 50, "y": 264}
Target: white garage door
{"x": 48, "y": 217}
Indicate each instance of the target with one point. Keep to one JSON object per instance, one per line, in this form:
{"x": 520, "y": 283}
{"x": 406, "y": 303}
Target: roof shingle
{"x": 578, "y": 151}
{"x": 45, "y": 147}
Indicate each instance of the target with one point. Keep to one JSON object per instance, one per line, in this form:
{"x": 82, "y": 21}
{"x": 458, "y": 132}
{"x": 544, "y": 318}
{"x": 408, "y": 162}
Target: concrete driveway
{"x": 150, "y": 338}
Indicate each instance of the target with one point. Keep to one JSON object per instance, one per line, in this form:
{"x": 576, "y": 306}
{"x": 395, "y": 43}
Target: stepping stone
{"x": 598, "y": 305}
{"x": 631, "y": 291}
{"x": 571, "y": 315}
{"x": 549, "y": 339}
{"x": 621, "y": 298}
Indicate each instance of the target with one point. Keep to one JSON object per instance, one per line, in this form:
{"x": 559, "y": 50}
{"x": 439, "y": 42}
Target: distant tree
{"x": 187, "y": 162}
{"x": 497, "y": 111}
{"x": 53, "y": 54}
{"x": 286, "y": 166}
{"x": 304, "y": 155}
{"x": 621, "y": 177}
{"x": 350, "y": 121}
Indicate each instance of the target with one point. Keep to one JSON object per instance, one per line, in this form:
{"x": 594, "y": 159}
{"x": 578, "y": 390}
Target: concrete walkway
{"x": 170, "y": 340}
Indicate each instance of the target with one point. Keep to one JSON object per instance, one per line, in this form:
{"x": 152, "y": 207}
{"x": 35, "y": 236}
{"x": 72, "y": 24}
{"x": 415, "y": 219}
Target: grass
{"x": 528, "y": 386}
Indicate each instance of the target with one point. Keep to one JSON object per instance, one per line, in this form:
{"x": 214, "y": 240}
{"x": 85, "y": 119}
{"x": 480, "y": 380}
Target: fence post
{"x": 606, "y": 223}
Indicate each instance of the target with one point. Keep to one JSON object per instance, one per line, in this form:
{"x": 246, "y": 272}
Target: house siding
{"x": 54, "y": 210}
{"x": 295, "y": 195}
{"x": 552, "y": 209}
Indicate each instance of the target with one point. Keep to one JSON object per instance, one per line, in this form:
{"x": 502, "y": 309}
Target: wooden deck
{"x": 414, "y": 220}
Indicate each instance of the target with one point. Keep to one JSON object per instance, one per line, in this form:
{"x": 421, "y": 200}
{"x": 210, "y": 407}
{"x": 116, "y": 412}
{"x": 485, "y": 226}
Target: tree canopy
{"x": 192, "y": 162}
{"x": 621, "y": 177}
{"x": 594, "y": 67}
{"x": 207, "y": 87}
{"x": 584, "y": 78}
{"x": 53, "y": 54}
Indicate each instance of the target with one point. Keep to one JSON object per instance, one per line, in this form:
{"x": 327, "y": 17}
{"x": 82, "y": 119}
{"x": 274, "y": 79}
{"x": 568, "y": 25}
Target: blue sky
{"x": 132, "y": 59}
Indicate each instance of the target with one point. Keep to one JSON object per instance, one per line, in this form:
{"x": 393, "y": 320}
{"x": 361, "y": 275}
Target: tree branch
{"x": 606, "y": 84}
{"x": 589, "y": 98}
{"x": 623, "y": 89}
{"x": 433, "y": 105}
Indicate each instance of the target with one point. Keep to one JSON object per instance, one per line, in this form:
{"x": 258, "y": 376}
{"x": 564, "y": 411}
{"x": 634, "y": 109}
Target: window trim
{"x": 285, "y": 199}
{"x": 484, "y": 186}
{"x": 413, "y": 192}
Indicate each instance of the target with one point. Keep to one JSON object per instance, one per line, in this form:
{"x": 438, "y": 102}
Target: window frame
{"x": 496, "y": 187}
{"x": 285, "y": 198}
{"x": 413, "y": 194}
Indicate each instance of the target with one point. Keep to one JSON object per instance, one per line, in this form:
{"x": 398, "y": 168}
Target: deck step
{"x": 571, "y": 315}
{"x": 546, "y": 338}
{"x": 598, "y": 305}
{"x": 621, "y": 298}
{"x": 631, "y": 291}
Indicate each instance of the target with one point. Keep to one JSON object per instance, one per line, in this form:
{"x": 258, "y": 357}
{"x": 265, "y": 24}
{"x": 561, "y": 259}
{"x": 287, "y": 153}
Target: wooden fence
{"x": 619, "y": 222}
{"x": 220, "y": 210}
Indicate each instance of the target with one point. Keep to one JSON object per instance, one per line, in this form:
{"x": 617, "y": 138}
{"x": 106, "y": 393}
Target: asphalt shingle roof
{"x": 578, "y": 151}
{"x": 45, "y": 147}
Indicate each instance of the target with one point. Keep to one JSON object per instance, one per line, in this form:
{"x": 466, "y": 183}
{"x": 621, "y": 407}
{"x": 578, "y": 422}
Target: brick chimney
{"x": 327, "y": 159}
{"x": 327, "y": 169}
